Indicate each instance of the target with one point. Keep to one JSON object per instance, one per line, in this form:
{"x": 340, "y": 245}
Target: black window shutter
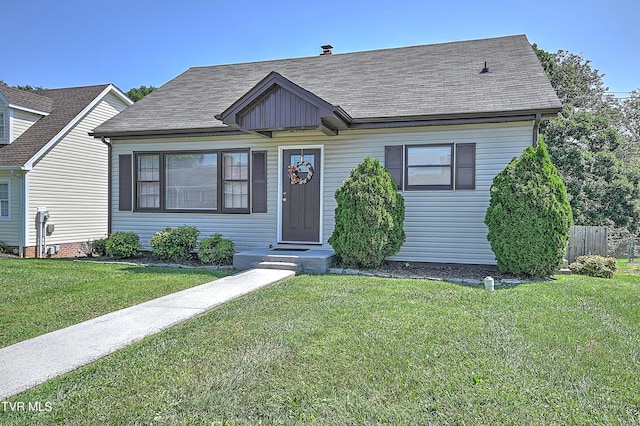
{"x": 393, "y": 163}
{"x": 466, "y": 166}
{"x": 259, "y": 182}
{"x": 125, "y": 183}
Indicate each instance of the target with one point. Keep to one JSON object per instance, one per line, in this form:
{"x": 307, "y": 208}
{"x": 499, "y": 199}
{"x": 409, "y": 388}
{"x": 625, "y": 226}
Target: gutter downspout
{"x": 109, "y": 182}
{"x": 23, "y": 211}
{"x": 536, "y": 129}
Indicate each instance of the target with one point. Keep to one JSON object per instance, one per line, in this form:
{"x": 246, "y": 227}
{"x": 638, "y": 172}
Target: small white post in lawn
{"x": 488, "y": 283}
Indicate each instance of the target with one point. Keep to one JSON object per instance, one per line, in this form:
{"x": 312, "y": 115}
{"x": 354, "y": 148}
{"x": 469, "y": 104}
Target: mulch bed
{"x": 435, "y": 270}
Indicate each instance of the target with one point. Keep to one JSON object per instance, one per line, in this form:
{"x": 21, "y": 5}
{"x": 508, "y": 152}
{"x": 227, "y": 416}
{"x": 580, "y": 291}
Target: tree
{"x": 369, "y": 217}
{"x": 28, "y": 87}
{"x": 135, "y": 94}
{"x": 576, "y": 83}
{"x": 594, "y": 155}
{"x": 529, "y": 216}
{"x": 602, "y": 191}
{"x": 627, "y": 121}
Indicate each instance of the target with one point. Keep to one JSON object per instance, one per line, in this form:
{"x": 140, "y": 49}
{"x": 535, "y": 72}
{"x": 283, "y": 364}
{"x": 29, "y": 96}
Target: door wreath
{"x": 294, "y": 171}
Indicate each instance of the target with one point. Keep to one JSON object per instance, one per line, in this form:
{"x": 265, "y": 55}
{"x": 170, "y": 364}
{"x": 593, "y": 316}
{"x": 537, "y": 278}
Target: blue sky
{"x": 133, "y": 43}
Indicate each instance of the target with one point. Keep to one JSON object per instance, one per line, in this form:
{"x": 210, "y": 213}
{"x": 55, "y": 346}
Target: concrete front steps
{"x": 311, "y": 260}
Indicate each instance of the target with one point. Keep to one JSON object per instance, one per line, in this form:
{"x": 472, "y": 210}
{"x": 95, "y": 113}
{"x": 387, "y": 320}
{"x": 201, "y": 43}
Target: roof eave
{"x": 443, "y": 119}
{"x": 166, "y": 133}
{"x": 355, "y": 123}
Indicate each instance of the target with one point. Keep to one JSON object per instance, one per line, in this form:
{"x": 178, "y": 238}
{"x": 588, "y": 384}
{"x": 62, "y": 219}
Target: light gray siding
{"x": 21, "y": 121}
{"x": 441, "y": 226}
{"x": 71, "y": 180}
{"x": 10, "y": 227}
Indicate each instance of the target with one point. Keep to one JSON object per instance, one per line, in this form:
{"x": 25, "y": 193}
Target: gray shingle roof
{"x": 66, "y": 104}
{"x": 425, "y": 82}
{"x": 26, "y": 99}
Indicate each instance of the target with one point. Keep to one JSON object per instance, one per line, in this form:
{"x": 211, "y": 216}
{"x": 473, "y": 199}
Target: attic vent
{"x": 326, "y": 49}
{"x": 485, "y": 69}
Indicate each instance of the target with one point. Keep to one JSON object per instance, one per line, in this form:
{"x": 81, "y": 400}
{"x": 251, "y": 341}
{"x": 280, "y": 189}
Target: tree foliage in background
{"x": 594, "y": 143}
{"x": 137, "y": 93}
{"x": 529, "y": 216}
{"x": 28, "y": 87}
{"x": 369, "y": 217}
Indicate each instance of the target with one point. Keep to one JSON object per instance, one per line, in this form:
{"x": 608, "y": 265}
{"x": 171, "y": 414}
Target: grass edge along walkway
{"x": 360, "y": 350}
{"x": 38, "y": 296}
{"x": 34, "y": 361}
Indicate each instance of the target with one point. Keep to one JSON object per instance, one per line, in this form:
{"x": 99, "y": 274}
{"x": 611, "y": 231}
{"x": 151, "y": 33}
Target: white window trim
{"x": 5, "y": 138}
{"x": 8, "y": 183}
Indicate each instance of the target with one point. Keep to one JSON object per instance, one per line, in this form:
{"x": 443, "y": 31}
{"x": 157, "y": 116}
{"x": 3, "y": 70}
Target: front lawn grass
{"x": 42, "y": 295}
{"x": 358, "y": 350}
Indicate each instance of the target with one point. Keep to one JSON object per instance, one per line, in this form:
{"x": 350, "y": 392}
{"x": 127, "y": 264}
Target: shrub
{"x": 594, "y": 266}
{"x": 215, "y": 250}
{"x": 529, "y": 216}
{"x": 175, "y": 244}
{"x": 369, "y": 216}
{"x": 99, "y": 247}
{"x": 123, "y": 245}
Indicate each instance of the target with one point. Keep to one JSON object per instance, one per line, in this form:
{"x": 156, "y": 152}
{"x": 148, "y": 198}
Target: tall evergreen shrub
{"x": 529, "y": 216}
{"x": 369, "y": 216}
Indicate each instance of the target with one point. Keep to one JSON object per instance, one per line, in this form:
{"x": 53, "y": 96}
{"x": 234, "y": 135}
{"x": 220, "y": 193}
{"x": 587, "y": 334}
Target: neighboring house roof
{"x": 23, "y": 99}
{"x": 429, "y": 82}
{"x": 67, "y": 106}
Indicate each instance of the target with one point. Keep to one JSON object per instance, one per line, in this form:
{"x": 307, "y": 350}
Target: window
{"x": 4, "y": 133}
{"x": 4, "y": 200}
{"x": 148, "y": 189}
{"x": 429, "y": 167}
{"x": 211, "y": 181}
{"x": 236, "y": 180}
{"x": 432, "y": 167}
{"x": 191, "y": 181}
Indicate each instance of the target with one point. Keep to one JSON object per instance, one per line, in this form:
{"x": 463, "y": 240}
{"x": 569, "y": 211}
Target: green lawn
{"x": 358, "y": 350}
{"x": 39, "y": 296}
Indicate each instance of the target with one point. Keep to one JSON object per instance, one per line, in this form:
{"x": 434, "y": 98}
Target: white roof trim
{"x": 27, "y": 109}
{"x": 29, "y": 164}
{"x": 20, "y": 107}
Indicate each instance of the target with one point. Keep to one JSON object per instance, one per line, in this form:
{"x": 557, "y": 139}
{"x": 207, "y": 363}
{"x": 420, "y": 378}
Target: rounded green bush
{"x": 175, "y": 244}
{"x": 215, "y": 250}
{"x": 594, "y": 266}
{"x": 99, "y": 247}
{"x": 529, "y": 216}
{"x": 369, "y": 217}
{"x": 123, "y": 245}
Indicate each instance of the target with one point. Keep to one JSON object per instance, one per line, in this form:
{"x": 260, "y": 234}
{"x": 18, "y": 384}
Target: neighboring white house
{"x": 49, "y": 161}
{"x": 212, "y": 147}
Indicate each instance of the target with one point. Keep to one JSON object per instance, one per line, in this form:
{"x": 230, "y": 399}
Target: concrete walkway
{"x": 34, "y": 361}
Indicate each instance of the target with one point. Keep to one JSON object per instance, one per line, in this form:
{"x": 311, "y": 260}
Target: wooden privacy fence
{"x": 587, "y": 240}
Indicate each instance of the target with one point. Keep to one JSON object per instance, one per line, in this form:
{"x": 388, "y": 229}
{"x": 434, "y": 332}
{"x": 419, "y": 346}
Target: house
{"x": 212, "y": 148}
{"x": 53, "y": 175}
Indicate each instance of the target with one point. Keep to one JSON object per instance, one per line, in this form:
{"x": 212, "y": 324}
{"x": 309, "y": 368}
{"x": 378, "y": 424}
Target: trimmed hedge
{"x": 529, "y": 216}
{"x": 594, "y": 266}
{"x": 175, "y": 244}
{"x": 369, "y": 217}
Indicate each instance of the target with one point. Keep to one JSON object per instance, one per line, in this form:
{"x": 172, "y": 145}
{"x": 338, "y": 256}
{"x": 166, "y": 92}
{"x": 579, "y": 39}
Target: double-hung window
{"x": 148, "y": 181}
{"x": 4, "y": 199}
{"x": 432, "y": 167}
{"x": 235, "y": 174}
{"x": 202, "y": 181}
{"x": 429, "y": 167}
